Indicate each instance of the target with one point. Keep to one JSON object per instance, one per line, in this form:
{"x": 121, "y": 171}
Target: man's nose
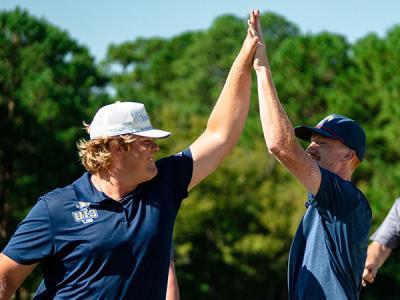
{"x": 154, "y": 147}
{"x": 312, "y": 148}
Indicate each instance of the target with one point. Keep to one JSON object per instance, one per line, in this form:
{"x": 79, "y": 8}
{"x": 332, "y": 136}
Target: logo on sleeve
{"x": 84, "y": 214}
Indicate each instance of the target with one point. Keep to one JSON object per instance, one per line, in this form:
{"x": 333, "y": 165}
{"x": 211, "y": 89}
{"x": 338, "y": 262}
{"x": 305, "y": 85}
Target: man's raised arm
{"x": 278, "y": 131}
{"x": 228, "y": 116}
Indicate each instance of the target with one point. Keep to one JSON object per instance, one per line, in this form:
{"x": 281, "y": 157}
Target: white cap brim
{"x": 153, "y": 133}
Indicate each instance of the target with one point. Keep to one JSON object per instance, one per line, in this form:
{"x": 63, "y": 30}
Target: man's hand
{"x": 376, "y": 256}
{"x": 369, "y": 273}
{"x": 249, "y": 45}
{"x": 260, "y": 56}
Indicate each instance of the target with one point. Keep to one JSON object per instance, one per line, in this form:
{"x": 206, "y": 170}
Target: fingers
{"x": 255, "y": 41}
{"x": 251, "y": 41}
{"x": 251, "y": 28}
{"x": 252, "y": 33}
{"x": 367, "y": 280}
{"x": 252, "y": 17}
{"x": 252, "y": 38}
{"x": 255, "y": 24}
{"x": 363, "y": 283}
{"x": 368, "y": 276}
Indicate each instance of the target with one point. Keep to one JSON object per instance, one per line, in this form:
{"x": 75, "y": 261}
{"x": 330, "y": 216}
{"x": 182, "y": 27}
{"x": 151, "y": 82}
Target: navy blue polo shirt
{"x": 329, "y": 249}
{"x": 93, "y": 247}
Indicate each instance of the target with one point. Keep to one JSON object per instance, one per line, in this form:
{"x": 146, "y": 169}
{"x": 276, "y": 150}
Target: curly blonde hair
{"x": 95, "y": 155}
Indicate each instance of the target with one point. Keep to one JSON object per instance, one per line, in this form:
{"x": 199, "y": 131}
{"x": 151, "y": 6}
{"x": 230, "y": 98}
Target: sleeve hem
{"x": 17, "y": 259}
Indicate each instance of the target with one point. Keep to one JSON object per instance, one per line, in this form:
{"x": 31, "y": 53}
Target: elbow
{"x": 6, "y": 291}
{"x": 276, "y": 141}
{"x": 280, "y": 148}
{"x": 275, "y": 148}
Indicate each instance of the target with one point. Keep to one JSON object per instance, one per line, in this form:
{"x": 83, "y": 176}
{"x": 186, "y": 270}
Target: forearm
{"x": 12, "y": 274}
{"x": 6, "y": 291}
{"x": 277, "y": 129}
{"x": 377, "y": 254}
{"x": 229, "y": 114}
{"x": 172, "y": 287}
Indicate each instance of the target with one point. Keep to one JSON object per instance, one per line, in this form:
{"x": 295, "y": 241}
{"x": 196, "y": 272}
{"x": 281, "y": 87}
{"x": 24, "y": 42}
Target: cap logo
{"x": 141, "y": 117}
{"x": 323, "y": 121}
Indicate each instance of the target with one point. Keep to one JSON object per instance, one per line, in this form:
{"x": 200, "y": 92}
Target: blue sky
{"x": 97, "y": 23}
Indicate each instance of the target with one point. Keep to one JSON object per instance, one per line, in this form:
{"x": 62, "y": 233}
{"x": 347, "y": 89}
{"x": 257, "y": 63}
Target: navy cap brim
{"x": 305, "y": 132}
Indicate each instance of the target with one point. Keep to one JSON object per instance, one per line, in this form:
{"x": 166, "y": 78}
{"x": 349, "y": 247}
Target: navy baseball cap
{"x": 340, "y": 128}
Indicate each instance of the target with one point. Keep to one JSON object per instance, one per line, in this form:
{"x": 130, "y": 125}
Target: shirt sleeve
{"x": 33, "y": 239}
{"x": 336, "y": 197}
{"x": 184, "y": 171}
{"x": 388, "y": 233}
{"x": 177, "y": 170}
{"x": 172, "y": 255}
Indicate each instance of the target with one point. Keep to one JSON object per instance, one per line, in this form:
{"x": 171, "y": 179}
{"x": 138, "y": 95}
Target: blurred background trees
{"x": 234, "y": 231}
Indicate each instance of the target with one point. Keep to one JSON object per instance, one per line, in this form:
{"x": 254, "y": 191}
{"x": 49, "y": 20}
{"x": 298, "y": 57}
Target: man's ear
{"x": 115, "y": 147}
{"x": 348, "y": 155}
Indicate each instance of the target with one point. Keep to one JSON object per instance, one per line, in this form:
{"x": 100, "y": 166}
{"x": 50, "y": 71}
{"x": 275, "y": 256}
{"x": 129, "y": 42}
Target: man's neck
{"x": 113, "y": 187}
{"x": 344, "y": 173}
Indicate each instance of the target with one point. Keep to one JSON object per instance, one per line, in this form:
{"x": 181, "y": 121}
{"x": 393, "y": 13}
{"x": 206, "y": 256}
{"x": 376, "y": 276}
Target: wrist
{"x": 263, "y": 72}
{"x": 242, "y": 65}
{"x": 261, "y": 69}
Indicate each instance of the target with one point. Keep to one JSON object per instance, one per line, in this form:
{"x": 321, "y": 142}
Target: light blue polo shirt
{"x": 92, "y": 247}
{"x": 329, "y": 249}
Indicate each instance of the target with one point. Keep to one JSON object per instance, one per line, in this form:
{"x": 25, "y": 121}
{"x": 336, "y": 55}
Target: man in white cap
{"x": 108, "y": 234}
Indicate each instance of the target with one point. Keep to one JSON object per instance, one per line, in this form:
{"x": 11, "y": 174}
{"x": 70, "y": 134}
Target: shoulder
{"x": 59, "y": 193}
{"x": 185, "y": 154}
{"x": 332, "y": 181}
{"x": 182, "y": 159}
{"x": 340, "y": 197}
{"x": 174, "y": 174}
{"x": 55, "y": 199}
{"x": 71, "y": 191}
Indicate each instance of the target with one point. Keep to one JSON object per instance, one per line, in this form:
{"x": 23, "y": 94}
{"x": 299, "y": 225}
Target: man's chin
{"x": 154, "y": 172}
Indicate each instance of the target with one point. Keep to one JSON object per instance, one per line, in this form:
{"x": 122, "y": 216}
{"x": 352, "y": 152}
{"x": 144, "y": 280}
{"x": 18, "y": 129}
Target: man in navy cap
{"x": 328, "y": 252}
{"x": 108, "y": 234}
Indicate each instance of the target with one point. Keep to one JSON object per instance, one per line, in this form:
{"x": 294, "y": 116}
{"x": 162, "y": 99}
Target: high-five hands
{"x": 250, "y": 45}
{"x": 254, "y": 27}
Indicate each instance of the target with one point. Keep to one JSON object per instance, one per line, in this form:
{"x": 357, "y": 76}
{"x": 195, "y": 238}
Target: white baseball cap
{"x": 123, "y": 118}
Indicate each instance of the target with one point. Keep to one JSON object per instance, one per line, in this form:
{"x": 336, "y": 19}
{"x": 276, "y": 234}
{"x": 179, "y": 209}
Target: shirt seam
{"x": 51, "y": 225}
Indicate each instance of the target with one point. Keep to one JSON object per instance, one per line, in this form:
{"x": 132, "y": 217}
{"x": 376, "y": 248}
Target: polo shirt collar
{"x": 87, "y": 192}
